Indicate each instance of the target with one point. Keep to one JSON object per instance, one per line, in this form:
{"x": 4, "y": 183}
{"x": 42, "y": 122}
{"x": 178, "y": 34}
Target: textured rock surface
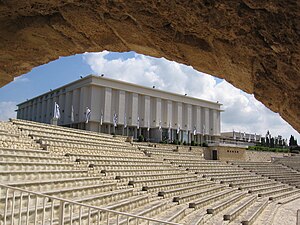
{"x": 252, "y": 44}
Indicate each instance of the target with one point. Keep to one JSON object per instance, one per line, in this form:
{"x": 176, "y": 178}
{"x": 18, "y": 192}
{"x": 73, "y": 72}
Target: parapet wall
{"x": 260, "y": 156}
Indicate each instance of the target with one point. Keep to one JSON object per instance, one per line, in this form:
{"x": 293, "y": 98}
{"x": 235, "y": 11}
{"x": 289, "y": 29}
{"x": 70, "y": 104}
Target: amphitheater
{"x": 56, "y": 175}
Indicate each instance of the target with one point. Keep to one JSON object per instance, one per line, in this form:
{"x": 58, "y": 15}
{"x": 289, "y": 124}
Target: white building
{"x": 155, "y": 114}
{"x": 240, "y": 138}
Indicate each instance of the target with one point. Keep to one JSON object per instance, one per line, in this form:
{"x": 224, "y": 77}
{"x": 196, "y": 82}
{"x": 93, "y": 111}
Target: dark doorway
{"x": 214, "y": 154}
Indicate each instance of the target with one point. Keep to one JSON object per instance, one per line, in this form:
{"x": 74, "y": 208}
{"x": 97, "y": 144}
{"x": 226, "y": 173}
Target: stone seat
{"x": 232, "y": 177}
{"x": 120, "y": 162}
{"x": 29, "y": 152}
{"x": 78, "y": 140}
{"x": 199, "y": 193}
{"x": 245, "y": 184}
{"x": 183, "y": 161}
{"x": 281, "y": 174}
{"x": 57, "y": 129}
{"x": 174, "y": 214}
{"x": 183, "y": 190}
{"x": 241, "y": 207}
{"x": 65, "y": 148}
{"x": 116, "y": 172}
{"x": 227, "y": 174}
{"x": 255, "y": 210}
{"x": 151, "y": 181}
{"x": 288, "y": 179}
{"x": 5, "y": 165}
{"x": 140, "y": 177}
{"x": 197, "y": 164}
{"x": 274, "y": 192}
{"x": 171, "y": 185}
{"x": 101, "y": 200}
{"x": 237, "y": 180}
{"x": 260, "y": 189}
{"x": 19, "y": 175}
{"x": 256, "y": 184}
{"x": 93, "y": 156}
{"x": 140, "y": 166}
{"x": 284, "y": 195}
{"x": 68, "y": 192}
{"x": 68, "y": 143}
{"x": 41, "y": 185}
{"x": 212, "y": 173}
{"x": 31, "y": 158}
{"x": 225, "y": 203}
{"x": 208, "y": 199}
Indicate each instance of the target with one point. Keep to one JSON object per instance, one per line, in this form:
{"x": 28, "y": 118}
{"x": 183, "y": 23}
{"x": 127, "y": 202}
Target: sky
{"x": 242, "y": 112}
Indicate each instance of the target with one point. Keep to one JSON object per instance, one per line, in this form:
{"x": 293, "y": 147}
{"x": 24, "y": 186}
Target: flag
{"x": 72, "y": 114}
{"x": 268, "y": 133}
{"x": 195, "y": 131}
{"x": 138, "y": 122}
{"x": 115, "y": 119}
{"x": 159, "y": 126}
{"x": 56, "y": 114}
{"x": 178, "y": 129}
{"x": 125, "y": 120}
{"x": 101, "y": 118}
{"x": 87, "y": 114}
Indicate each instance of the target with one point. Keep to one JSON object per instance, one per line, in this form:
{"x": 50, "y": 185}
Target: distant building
{"x": 127, "y": 109}
{"x": 240, "y": 138}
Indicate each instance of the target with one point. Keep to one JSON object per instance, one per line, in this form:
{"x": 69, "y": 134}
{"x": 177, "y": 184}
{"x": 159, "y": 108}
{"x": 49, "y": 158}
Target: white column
{"x": 121, "y": 106}
{"x": 158, "y": 116}
{"x": 107, "y": 105}
{"x": 68, "y": 108}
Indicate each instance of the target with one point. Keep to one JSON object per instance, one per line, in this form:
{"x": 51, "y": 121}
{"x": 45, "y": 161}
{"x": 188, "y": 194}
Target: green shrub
{"x": 268, "y": 149}
{"x": 141, "y": 138}
{"x": 204, "y": 144}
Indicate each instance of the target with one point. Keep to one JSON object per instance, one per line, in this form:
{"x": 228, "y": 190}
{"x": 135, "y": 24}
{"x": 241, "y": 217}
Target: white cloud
{"x": 7, "y": 110}
{"x": 242, "y": 111}
{"x": 20, "y": 79}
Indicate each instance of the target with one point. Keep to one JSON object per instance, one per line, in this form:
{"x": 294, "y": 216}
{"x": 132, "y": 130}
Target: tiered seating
{"x": 274, "y": 171}
{"x": 292, "y": 162}
{"x": 11, "y": 137}
{"x": 163, "y": 182}
{"x": 243, "y": 203}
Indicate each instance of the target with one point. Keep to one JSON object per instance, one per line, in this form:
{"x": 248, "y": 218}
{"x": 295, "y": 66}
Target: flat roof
{"x": 121, "y": 82}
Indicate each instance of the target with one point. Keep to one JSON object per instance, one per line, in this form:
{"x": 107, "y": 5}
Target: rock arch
{"x": 252, "y": 44}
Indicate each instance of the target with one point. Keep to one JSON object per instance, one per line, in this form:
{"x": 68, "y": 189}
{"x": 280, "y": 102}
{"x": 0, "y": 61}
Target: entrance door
{"x": 214, "y": 154}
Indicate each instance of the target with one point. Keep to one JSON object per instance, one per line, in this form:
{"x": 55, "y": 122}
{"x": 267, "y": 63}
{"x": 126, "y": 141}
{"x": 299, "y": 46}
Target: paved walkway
{"x": 287, "y": 214}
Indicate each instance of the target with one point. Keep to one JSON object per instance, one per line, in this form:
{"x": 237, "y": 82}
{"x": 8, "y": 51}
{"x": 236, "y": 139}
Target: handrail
{"x": 64, "y": 202}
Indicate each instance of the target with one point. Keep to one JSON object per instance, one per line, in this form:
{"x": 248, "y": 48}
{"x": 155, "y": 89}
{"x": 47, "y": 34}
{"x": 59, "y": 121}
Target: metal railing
{"x": 229, "y": 143}
{"x": 22, "y": 207}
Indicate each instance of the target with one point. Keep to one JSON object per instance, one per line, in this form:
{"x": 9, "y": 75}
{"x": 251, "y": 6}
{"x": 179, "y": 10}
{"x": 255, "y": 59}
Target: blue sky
{"x": 242, "y": 111}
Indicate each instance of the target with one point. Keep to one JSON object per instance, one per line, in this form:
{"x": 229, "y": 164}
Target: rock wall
{"x": 252, "y": 44}
{"x": 256, "y": 156}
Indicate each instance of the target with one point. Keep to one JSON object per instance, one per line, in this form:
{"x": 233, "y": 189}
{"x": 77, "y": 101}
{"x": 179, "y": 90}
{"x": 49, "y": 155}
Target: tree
{"x": 291, "y": 142}
{"x": 267, "y": 142}
{"x": 272, "y": 144}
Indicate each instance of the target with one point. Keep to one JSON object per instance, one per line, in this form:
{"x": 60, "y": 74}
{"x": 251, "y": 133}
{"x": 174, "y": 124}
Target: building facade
{"x": 240, "y": 138}
{"x": 127, "y": 109}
